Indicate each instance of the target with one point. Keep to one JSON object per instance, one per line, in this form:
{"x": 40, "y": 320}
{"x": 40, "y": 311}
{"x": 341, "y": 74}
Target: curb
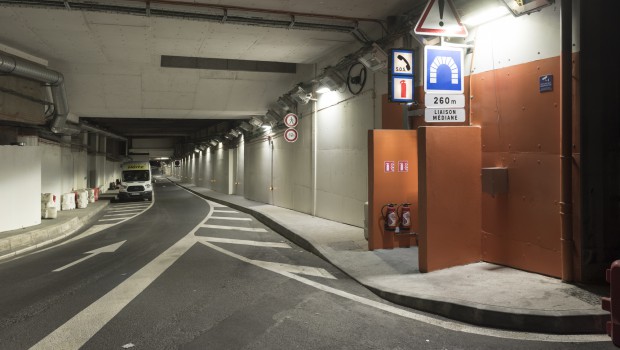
{"x": 555, "y": 322}
{"x": 34, "y": 239}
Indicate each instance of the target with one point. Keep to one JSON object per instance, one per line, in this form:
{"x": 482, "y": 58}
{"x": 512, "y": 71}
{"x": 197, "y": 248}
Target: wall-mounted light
{"x": 234, "y": 133}
{"x": 245, "y": 126}
{"x": 272, "y": 118}
{"x": 332, "y": 80}
{"x": 300, "y": 95}
{"x": 285, "y": 103}
{"x": 213, "y": 143}
{"x": 256, "y": 121}
{"x": 523, "y": 7}
{"x": 374, "y": 58}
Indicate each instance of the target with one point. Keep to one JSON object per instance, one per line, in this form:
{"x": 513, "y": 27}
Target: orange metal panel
{"x": 521, "y": 255}
{"x": 391, "y": 187}
{"x": 391, "y": 114}
{"x": 450, "y": 194}
{"x": 521, "y": 131}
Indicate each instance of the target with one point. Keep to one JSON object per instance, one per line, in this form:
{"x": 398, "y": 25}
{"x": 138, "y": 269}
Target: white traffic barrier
{"x": 67, "y": 201}
{"x": 91, "y": 195}
{"x": 82, "y": 199}
{"x": 48, "y": 206}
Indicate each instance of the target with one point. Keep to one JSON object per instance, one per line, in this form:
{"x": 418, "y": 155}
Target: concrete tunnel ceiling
{"x": 111, "y": 61}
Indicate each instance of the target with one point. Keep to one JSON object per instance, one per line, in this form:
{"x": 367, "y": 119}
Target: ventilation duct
{"x": 13, "y": 65}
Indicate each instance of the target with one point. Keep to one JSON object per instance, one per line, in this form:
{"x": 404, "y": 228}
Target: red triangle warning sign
{"x": 440, "y": 19}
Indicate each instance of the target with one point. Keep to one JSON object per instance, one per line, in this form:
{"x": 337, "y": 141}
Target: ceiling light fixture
{"x": 272, "y": 118}
{"x": 331, "y": 80}
{"x": 374, "y": 58}
{"x": 245, "y": 126}
{"x": 524, "y": 7}
{"x": 300, "y": 95}
{"x": 285, "y": 103}
{"x": 256, "y": 121}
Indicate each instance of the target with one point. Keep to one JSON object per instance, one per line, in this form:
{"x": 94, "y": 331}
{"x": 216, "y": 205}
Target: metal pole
{"x": 567, "y": 141}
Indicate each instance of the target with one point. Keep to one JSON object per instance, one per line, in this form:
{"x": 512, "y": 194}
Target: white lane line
{"x": 244, "y": 242}
{"x": 226, "y": 211}
{"x": 127, "y": 205}
{"x": 248, "y": 229}
{"x": 114, "y": 219}
{"x": 230, "y": 218}
{"x": 121, "y": 214}
{"x": 83, "y": 326}
{"x": 92, "y": 230}
{"x": 459, "y": 327}
{"x": 74, "y": 333}
{"x": 278, "y": 267}
{"x": 123, "y": 210}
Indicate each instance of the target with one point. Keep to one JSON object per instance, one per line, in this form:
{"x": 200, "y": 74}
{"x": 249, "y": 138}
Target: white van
{"x": 136, "y": 181}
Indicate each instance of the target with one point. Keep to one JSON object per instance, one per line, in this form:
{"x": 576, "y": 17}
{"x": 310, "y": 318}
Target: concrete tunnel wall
{"x": 280, "y": 173}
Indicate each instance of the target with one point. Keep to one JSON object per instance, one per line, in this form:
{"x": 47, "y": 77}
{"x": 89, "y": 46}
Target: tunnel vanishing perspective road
{"x": 188, "y": 273}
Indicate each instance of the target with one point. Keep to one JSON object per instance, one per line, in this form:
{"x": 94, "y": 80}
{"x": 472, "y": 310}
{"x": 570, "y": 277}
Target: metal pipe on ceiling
{"x": 14, "y": 65}
{"x": 97, "y": 130}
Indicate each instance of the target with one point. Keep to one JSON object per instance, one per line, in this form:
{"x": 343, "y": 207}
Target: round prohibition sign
{"x": 291, "y": 135}
{"x": 291, "y": 120}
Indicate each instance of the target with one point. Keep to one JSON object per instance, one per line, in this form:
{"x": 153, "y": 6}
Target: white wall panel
{"x": 342, "y": 159}
{"x": 257, "y": 171}
{"x": 220, "y": 170}
{"x": 50, "y": 169}
{"x": 512, "y": 40}
{"x": 20, "y": 187}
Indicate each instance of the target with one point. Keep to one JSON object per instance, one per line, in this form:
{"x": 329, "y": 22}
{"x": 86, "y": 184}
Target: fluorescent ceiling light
{"x": 484, "y": 15}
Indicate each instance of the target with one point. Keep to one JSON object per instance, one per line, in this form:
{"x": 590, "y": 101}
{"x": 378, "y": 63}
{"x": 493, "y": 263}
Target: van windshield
{"x": 135, "y": 175}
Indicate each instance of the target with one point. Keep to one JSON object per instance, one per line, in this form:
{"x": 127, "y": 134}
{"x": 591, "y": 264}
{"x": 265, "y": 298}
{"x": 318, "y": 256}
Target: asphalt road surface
{"x": 186, "y": 273}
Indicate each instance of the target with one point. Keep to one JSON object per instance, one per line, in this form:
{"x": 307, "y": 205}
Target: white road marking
{"x": 107, "y": 249}
{"x": 249, "y": 229}
{"x": 123, "y": 210}
{"x": 79, "y": 329}
{"x": 230, "y": 218}
{"x": 454, "y": 326}
{"x": 244, "y": 242}
{"x": 127, "y": 205}
{"x": 226, "y": 211}
{"x": 83, "y": 326}
{"x": 112, "y": 219}
{"x": 121, "y": 214}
